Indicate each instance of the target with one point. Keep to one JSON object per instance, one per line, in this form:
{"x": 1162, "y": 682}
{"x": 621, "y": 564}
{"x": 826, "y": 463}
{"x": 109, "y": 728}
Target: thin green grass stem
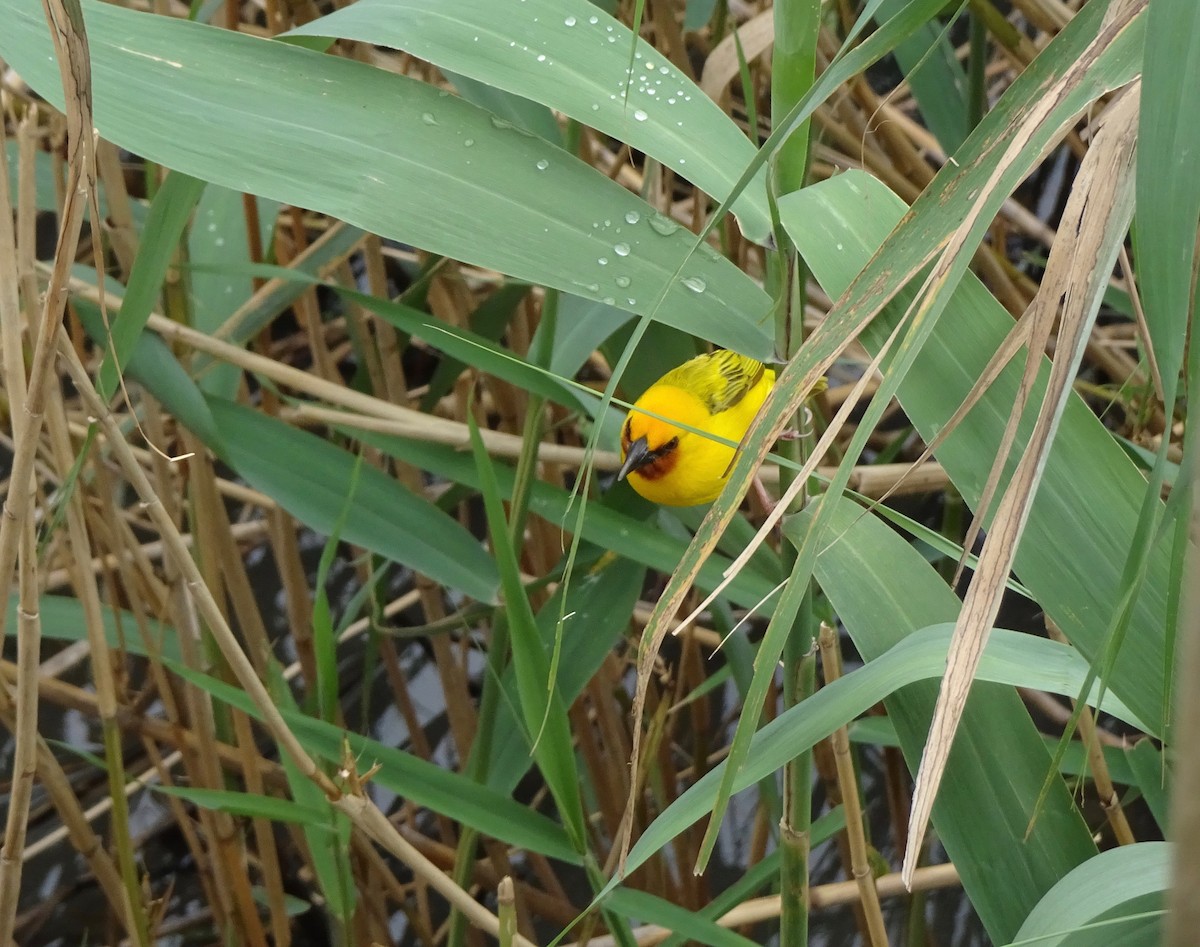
{"x": 122, "y": 839}
{"x": 485, "y": 734}
{"x": 799, "y": 659}
{"x": 478, "y": 764}
{"x": 617, "y": 925}
{"x": 799, "y": 682}
{"x": 953, "y": 510}
{"x": 797, "y": 25}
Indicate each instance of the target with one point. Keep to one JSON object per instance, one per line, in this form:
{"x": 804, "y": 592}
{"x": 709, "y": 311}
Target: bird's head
{"x": 650, "y": 445}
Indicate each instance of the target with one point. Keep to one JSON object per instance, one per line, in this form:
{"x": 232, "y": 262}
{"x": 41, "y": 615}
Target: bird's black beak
{"x": 637, "y": 455}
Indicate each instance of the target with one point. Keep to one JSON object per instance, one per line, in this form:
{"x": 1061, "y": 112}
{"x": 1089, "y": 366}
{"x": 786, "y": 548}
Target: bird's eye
{"x": 669, "y": 446}
{"x": 628, "y": 430}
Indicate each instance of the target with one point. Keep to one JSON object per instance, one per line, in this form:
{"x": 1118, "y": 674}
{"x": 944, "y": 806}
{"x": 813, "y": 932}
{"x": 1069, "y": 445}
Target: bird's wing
{"x": 720, "y": 380}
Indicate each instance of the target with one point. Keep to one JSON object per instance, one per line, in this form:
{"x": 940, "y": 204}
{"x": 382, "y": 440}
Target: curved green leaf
{"x": 424, "y": 783}
{"x": 885, "y": 592}
{"x": 63, "y": 619}
{"x": 1125, "y": 887}
{"x": 1010, "y": 658}
{"x": 1086, "y": 512}
{"x": 252, "y": 805}
{"x": 311, "y": 478}
{"x": 643, "y": 906}
{"x": 391, "y": 155}
{"x": 1168, "y": 192}
{"x": 575, "y": 58}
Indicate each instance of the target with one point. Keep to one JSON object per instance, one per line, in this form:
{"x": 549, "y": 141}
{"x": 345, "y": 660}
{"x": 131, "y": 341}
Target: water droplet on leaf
{"x": 663, "y": 225}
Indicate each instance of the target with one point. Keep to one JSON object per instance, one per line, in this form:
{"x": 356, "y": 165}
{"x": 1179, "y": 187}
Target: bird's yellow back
{"x": 718, "y": 394}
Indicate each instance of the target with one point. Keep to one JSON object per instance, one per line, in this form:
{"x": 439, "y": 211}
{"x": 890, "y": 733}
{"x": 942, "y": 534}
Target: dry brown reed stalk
{"x": 24, "y": 727}
{"x": 27, "y": 280}
{"x": 354, "y": 803}
{"x": 223, "y": 855}
{"x": 1099, "y": 208}
{"x": 826, "y": 768}
{"x": 757, "y": 910}
{"x": 17, "y": 538}
{"x": 103, "y": 662}
{"x": 80, "y": 185}
{"x": 118, "y": 225}
{"x": 860, "y": 862}
{"x": 216, "y": 545}
{"x": 1110, "y": 801}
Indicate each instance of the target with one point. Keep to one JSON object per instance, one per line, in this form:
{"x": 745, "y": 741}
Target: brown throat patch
{"x": 659, "y": 467}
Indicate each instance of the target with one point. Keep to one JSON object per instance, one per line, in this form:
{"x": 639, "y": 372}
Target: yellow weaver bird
{"x": 719, "y": 394}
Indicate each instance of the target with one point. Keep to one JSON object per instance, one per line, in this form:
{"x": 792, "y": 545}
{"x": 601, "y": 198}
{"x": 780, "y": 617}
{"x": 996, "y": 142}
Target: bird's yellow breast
{"x": 684, "y": 468}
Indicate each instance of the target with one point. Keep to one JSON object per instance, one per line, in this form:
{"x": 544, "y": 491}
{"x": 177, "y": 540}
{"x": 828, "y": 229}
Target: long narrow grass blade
{"x": 1095, "y": 222}
{"x": 309, "y": 477}
{"x": 545, "y": 716}
{"x": 1010, "y": 658}
{"x": 430, "y": 786}
{"x": 169, "y": 214}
